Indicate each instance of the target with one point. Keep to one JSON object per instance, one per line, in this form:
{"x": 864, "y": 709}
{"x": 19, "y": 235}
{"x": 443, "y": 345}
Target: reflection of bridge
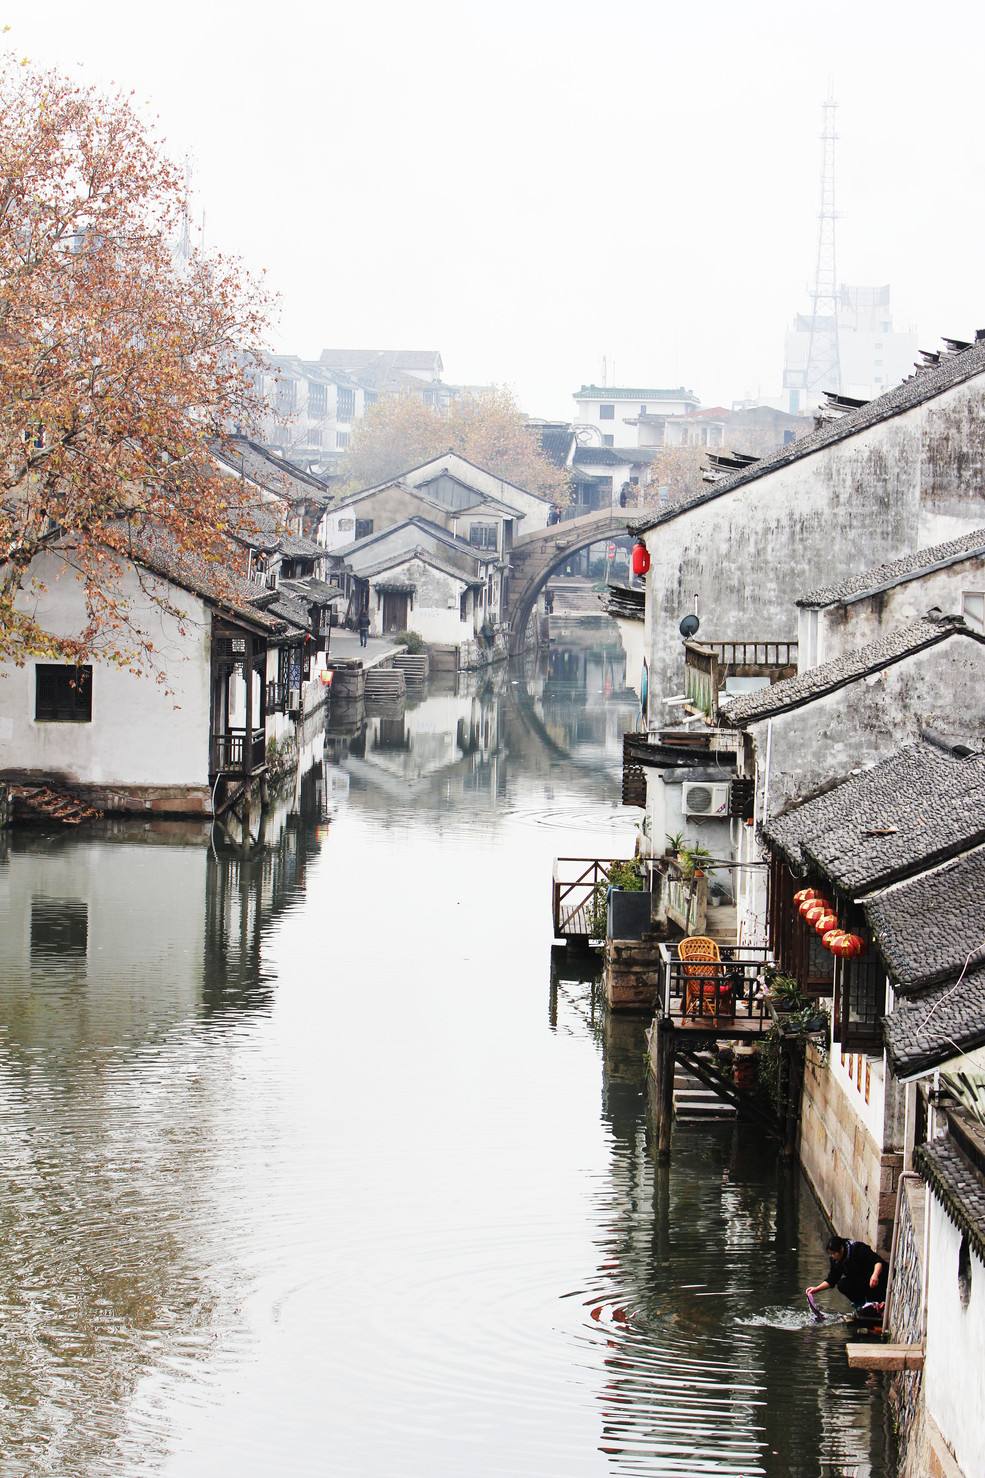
{"x": 537, "y": 556}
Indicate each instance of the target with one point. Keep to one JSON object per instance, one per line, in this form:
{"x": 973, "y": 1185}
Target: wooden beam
{"x": 876, "y": 1356}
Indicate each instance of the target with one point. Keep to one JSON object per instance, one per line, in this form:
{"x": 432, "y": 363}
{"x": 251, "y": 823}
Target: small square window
{"x": 608, "y": 441}
{"x": 62, "y": 694}
{"x": 607, "y": 413}
{"x": 364, "y": 527}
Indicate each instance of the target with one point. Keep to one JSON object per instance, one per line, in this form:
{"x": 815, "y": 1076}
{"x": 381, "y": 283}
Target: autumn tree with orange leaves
{"x": 400, "y": 432}
{"x": 119, "y": 363}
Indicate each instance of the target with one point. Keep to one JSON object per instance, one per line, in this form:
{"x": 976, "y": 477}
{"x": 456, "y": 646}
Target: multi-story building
{"x": 615, "y": 412}
{"x": 874, "y": 355}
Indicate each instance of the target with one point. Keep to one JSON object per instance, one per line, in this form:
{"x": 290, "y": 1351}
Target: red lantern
{"x": 814, "y": 911}
{"x": 856, "y": 945}
{"x": 830, "y": 939}
{"x": 810, "y": 903}
{"x": 826, "y": 922}
{"x": 641, "y": 558}
{"x": 803, "y": 896}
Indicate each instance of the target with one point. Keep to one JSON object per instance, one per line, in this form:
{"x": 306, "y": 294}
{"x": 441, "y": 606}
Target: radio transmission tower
{"x": 823, "y": 368}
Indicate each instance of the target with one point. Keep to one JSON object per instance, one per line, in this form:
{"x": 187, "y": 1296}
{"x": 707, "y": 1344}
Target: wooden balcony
{"x": 237, "y": 753}
{"x": 707, "y": 664}
{"x": 720, "y": 999}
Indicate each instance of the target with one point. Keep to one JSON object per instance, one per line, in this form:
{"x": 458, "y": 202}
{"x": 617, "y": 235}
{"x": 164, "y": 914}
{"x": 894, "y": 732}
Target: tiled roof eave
{"x": 958, "y": 1186}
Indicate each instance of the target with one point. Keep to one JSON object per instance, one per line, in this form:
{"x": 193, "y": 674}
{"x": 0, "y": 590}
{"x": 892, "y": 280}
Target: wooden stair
{"x": 45, "y": 803}
{"x": 385, "y": 682}
{"x": 695, "y": 1102}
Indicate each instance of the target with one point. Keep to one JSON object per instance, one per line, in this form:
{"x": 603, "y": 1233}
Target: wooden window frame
{"x": 58, "y": 699}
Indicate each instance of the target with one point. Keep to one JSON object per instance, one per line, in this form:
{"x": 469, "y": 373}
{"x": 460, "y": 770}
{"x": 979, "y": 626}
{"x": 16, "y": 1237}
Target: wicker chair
{"x": 707, "y": 991}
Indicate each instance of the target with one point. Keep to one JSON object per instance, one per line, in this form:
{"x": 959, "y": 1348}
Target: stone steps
{"x": 385, "y": 682}
{"x": 413, "y": 665}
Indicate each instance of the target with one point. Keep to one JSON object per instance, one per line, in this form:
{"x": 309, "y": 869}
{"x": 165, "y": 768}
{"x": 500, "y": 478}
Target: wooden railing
{"x": 701, "y": 680}
{"x": 763, "y": 655}
{"x": 578, "y": 896}
{"x": 232, "y": 750}
{"x": 686, "y": 900}
{"x": 723, "y": 992}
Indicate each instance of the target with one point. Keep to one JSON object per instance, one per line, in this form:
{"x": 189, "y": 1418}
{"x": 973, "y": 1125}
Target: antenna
{"x": 823, "y": 368}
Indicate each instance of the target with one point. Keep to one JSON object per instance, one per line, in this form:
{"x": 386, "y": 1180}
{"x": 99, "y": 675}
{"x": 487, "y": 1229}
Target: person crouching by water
{"x": 856, "y": 1271}
{"x": 363, "y": 625}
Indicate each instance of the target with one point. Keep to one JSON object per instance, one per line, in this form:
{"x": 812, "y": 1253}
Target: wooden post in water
{"x": 665, "y": 1087}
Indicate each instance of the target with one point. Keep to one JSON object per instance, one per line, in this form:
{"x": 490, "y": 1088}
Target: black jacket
{"x": 851, "y": 1275}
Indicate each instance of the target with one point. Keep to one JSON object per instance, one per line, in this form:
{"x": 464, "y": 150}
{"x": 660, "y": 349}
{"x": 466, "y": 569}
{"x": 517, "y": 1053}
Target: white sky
{"x": 529, "y": 186}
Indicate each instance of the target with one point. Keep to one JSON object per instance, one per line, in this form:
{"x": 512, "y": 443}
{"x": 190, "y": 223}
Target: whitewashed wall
{"x": 747, "y": 555}
{"x": 872, "y": 718}
{"x": 954, "y": 1373}
{"x": 434, "y": 611}
{"x": 826, "y": 632}
{"x": 142, "y": 732}
{"x": 534, "y": 508}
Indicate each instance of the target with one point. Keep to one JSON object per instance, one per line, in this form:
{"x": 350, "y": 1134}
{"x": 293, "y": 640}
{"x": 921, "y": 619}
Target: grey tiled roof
{"x": 909, "y": 773}
{"x": 827, "y": 677}
{"x": 898, "y": 571}
{"x": 928, "y": 926}
{"x": 901, "y": 832}
{"x": 958, "y": 1184}
{"x": 952, "y": 370}
{"x": 928, "y": 1030}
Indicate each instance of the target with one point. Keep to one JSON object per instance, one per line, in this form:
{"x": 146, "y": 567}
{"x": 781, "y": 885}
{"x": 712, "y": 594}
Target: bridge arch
{"x": 535, "y": 557}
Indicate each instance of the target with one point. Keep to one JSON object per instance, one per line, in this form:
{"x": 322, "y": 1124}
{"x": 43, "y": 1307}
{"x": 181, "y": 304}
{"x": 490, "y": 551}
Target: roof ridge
{"x": 915, "y": 390}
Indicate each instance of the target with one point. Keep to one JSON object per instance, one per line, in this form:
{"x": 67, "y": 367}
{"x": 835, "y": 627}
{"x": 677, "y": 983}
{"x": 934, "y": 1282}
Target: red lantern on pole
{"x": 641, "y": 558}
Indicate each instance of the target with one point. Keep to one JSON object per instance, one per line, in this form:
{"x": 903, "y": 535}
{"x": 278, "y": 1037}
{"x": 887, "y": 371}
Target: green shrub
{"x": 626, "y": 875}
{"x": 412, "y": 640}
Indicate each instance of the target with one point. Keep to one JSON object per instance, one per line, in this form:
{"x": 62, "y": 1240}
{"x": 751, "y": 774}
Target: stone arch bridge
{"x": 535, "y": 557}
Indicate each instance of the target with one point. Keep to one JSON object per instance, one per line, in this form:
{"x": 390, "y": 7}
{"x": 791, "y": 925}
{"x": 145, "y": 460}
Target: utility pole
{"x": 823, "y": 368}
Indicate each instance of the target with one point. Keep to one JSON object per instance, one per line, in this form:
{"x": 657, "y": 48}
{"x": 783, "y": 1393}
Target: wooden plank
{"x": 884, "y": 1357}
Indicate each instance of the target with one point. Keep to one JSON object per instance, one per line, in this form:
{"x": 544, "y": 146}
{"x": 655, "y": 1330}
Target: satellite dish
{"x": 689, "y": 627}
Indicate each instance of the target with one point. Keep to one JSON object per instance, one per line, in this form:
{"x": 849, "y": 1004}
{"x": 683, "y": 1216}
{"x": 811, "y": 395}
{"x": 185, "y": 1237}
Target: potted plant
{"x": 785, "y": 994}
{"x": 694, "y": 860}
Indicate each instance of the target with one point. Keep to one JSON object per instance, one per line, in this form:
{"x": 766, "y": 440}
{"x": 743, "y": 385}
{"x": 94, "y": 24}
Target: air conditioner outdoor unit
{"x": 293, "y": 700}
{"x": 701, "y": 799}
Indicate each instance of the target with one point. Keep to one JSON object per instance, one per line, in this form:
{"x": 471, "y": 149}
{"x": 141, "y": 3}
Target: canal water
{"x": 313, "y": 1166}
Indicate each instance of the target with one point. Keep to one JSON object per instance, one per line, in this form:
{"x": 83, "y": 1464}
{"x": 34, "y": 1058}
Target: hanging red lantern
{"x": 826, "y": 922}
{"x": 641, "y": 558}
{"x": 812, "y": 903}
{"x": 830, "y": 938}
{"x": 803, "y": 896}
{"x": 814, "y": 911}
{"x": 856, "y": 945}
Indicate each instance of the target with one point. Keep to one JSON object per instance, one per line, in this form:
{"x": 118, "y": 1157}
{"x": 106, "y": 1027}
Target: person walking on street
{"x": 363, "y": 625}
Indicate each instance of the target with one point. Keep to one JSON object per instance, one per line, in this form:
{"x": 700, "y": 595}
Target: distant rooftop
{"x": 621, "y": 392}
{"x": 399, "y": 359}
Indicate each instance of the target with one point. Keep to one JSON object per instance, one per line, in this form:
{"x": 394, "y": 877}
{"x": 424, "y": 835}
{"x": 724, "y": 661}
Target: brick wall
{"x": 854, "y": 1181}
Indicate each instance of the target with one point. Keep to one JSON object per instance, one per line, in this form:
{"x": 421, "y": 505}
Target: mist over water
{"x": 314, "y": 1165}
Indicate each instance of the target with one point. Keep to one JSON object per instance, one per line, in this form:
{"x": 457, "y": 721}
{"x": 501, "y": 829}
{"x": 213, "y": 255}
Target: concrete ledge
{"x": 884, "y": 1357}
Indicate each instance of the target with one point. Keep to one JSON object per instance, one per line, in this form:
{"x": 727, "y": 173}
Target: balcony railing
{"x": 754, "y": 658}
{"x": 237, "y": 753}
{"x": 578, "y": 896}
{"x": 724, "y": 993}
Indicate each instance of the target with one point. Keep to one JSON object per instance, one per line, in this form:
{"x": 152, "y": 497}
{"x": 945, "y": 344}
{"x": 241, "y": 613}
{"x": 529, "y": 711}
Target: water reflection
{"x": 695, "y": 1304}
{"x": 298, "y": 1178}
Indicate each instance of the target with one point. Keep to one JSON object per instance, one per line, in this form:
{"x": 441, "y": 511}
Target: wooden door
{"x": 394, "y": 611}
